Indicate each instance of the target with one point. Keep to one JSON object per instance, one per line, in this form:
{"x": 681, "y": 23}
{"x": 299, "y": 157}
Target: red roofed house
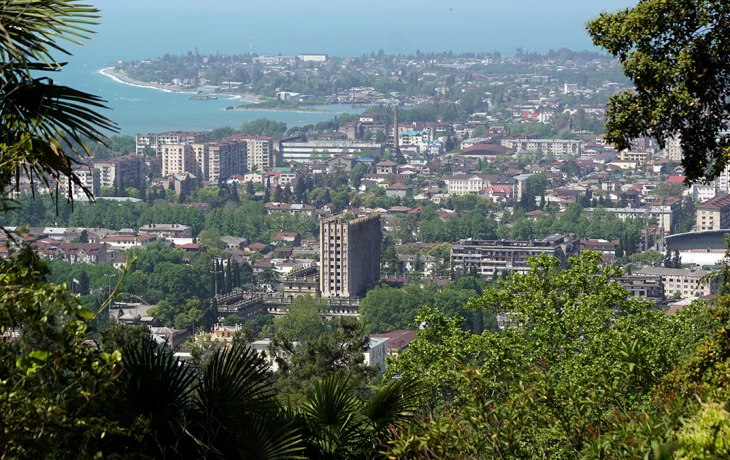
{"x": 675, "y": 179}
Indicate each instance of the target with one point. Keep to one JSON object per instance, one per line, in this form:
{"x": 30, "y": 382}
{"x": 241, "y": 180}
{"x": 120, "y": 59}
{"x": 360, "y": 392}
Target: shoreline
{"x": 120, "y": 77}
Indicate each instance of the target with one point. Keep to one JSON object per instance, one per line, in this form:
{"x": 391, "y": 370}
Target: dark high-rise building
{"x": 349, "y": 255}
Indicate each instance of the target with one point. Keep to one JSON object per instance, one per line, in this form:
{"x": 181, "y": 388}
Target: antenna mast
{"x": 250, "y": 46}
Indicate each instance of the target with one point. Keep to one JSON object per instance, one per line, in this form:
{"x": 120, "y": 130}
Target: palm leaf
{"x": 394, "y": 405}
{"x": 159, "y": 384}
{"x": 239, "y": 408}
{"x": 333, "y": 416}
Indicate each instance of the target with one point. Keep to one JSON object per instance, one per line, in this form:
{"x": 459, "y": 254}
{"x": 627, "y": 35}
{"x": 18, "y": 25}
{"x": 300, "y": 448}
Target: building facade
{"x": 307, "y": 151}
{"x": 554, "y": 146}
{"x": 349, "y": 255}
{"x": 714, "y": 214}
{"x": 680, "y": 282}
{"x": 121, "y": 172}
{"x": 154, "y": 141}
{"x": 89, "y": 178}
{"x": 178, "y": 159}
{"x": 488, "y": 257}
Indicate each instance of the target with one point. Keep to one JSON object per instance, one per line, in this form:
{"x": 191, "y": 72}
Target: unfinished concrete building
{"x": 349, "y": 255}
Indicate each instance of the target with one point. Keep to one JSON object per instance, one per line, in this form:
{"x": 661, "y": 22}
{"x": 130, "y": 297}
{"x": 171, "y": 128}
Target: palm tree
{"x": 228, "y": 410}
{"x": 337, "y": 424}
{"x": 42, "y": 124}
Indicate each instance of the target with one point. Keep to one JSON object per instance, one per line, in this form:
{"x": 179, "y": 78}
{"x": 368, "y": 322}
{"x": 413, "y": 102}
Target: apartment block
{"x": 89, "y": 178}
{"x": 644, "y": 286}
{"x": 301, "y": 151}
{"x": 226, "y": 159}
{"x": 178, "y": 159}
{"x": 684, "y": 283}
{"x": 155, "y": 141}
{"x": 488, "y": 257}
{"x": 554, "y": 146}
{"x": 638, "y": 157}
{"x": 349, "y": 255}
{"x": 122, "y": 172}
{"x": 714, "y": 214}
{"x": 673, "y": 148}
{"x": 259, "y": 151}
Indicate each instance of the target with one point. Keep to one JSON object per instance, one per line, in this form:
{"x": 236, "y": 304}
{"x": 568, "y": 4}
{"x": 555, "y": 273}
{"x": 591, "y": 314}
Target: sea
{"x": 143, "y": 29}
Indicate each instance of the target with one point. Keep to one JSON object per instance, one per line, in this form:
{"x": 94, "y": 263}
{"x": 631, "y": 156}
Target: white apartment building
{"x": 89, "y": 178}
{"x": 688, "y": 283}
{"x": 154, "y": 141}
{"x": 123, "y": 172}
{"x": 419, "y": 139}
{"x": 178, "y": 158}
{"x": 673, "y": 148}
{"x": 554, "y": 146}
{"x": 702, "y": 193}
{"x": 313, "y": 57}
{"x": 714, "y": 214}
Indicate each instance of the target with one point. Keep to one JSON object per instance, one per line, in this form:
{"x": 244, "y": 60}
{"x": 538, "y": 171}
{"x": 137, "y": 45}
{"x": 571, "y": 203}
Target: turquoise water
{"x": 137, "y": 29}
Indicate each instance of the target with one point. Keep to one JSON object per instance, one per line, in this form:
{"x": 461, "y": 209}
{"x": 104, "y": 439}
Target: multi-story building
{"x": 714, "y": 214}
{"x": 554, "y": 146}
{"x": 680, "y": 282}
{"x": 89, "y": 178}
{"x": 488, "y": 257}
{"x": 673, "y": 148}
{"x": 226, "y": 159}
{"x": 644, "y": 286}
{"x": 349, "y": 255}
{"x": 178, "y": 159}
{"x": 418, "y": 138}
{"x": 259, "y": 151}
{"x": 666, "y": 215}
{"x": 121, "y": 172}
{"x": 154, "y": 141}
{"x": 639, "y": 157}
{"x": 463, "y": 184}
{"x": 164, "y": 231}
{"x": 307, "y": 151}
{"x": 312, "y": 57}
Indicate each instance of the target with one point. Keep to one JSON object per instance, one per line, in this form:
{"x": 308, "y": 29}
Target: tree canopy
{"x": 676, "y": 53}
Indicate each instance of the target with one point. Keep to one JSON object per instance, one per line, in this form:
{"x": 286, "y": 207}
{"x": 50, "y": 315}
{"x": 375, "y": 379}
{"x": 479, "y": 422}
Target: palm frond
{"x": 268, "y": 439}
{"x": 394, "y": 405}
{"x": 159, "y": 384}
{"x": 31, "y": 29}
{"x": 236, "y": 379}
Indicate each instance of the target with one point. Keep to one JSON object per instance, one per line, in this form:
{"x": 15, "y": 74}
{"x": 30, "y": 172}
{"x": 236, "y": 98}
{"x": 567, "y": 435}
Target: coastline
{"x": 120, "y": 77}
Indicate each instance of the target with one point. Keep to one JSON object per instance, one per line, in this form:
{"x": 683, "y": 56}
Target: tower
{"x": 349, "y": 255}
{"x": 395, "y": 129}
{"x": 250, "y": 46}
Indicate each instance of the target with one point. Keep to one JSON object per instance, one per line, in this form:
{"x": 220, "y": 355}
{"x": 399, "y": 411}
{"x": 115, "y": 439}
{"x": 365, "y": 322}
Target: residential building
{"x": 399, "y": 190}
{"x": 644, "y": 286}
{"x": 164, "y": 231}
{"x": 376, "y": 352}
{"x": 349, "y": 255}
{"x": 293, "y": 209}
{"x": 313, "y": 57}
{"x": 86, "y": 253}
{"x": 488, "y": 257}
{"x": 294, "y": 149}
{"x": 681, "y": 282}
{"x": 637, "y": 157}
{"x": 462, "y": 184}
{"x": 121, "y": 172}
{"x": 226, "y": 159}
{"x": 398, "y": 340}
{"x": 177, "y": 159}
{"x": 89, "y": 178}
{"x": 554, "y": 146}
{"x": 259, "y": 151}
{"x": 665, "y": 215}
{"x": 124, "y": 242}
{"x": 154, "y": 141}
{"x": 386, "y": 167}
{"x": 673, "y": 148}
{"x": 714, "y": 214}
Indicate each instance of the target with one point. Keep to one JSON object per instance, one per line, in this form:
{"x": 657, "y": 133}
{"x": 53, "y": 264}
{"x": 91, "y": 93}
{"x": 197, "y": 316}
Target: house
{"x": 399, "y": 190}
{"x": 287, "y": 238}
{"x": 386, "y": 167}
{"x": 342, "y": 162}
{"x": 86, "y": 253}
{"x": 129, "y": 241}
{"x": 233, "y": 242}
{"x": 398, "y": 340}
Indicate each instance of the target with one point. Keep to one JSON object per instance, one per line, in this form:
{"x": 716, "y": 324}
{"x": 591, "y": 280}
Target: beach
{"x": 121, "y": 77}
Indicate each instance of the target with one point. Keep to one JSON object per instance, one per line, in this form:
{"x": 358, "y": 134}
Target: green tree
{"x": 302, "y": 320}
{"x": 672, "y": 52}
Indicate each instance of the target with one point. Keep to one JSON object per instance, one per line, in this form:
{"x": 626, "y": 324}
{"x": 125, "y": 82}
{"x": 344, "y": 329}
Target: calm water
{"x": 141, "y": 29}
